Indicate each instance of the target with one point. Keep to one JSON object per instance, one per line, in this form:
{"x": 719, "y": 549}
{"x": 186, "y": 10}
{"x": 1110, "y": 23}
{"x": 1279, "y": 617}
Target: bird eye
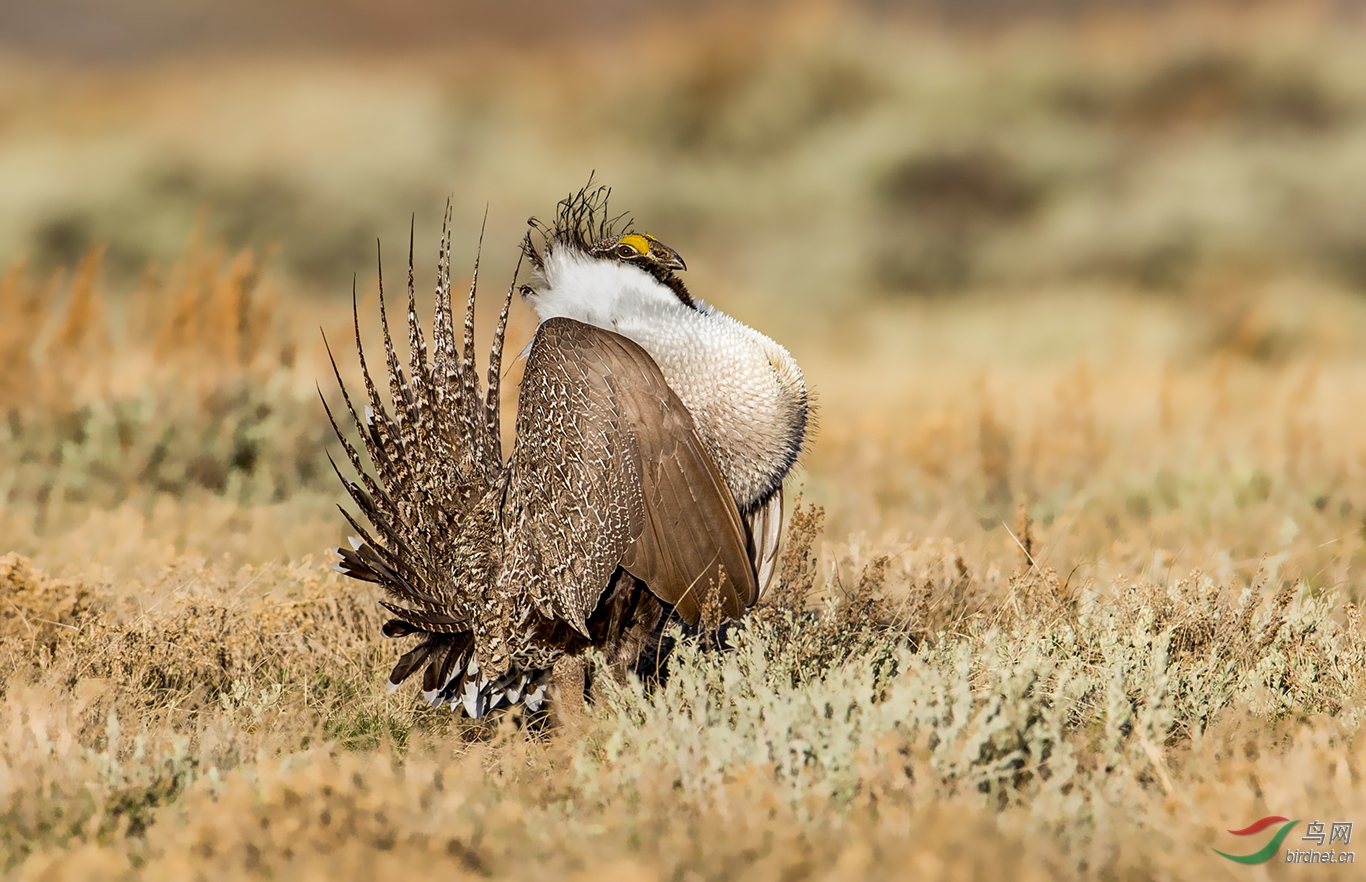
{"x": 626, "y": 252}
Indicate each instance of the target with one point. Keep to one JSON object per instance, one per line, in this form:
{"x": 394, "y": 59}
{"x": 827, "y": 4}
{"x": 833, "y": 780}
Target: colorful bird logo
{"x": 1265, "y": 853}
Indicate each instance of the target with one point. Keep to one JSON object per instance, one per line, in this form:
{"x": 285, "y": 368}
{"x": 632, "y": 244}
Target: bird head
{"x": 584, "y": 231}
{"x": 642, "y": 250}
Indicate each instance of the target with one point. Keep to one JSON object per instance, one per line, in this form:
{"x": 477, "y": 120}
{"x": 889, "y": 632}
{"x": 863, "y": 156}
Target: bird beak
{"x": 664, "y": 256}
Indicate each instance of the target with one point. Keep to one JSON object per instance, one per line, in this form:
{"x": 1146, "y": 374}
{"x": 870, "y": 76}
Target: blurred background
{"x": 824, "y": 151}
{"x": 1096, "y": 264}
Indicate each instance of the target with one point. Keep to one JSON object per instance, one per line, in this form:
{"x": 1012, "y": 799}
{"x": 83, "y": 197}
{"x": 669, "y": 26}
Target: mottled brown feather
{"x": 610, "y": 472}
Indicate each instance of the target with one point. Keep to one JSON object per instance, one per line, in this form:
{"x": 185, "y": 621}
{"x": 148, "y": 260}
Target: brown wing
{"x": 608, "y": 471}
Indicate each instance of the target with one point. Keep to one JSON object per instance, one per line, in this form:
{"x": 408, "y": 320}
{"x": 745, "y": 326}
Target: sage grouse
{"x": 653, "y": 434}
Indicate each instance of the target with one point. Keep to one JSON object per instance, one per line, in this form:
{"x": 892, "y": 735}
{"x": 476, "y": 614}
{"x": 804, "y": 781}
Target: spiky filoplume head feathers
{"x": 584, "y": 226}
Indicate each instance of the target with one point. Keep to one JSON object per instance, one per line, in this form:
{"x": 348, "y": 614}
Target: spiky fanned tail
{"x": 433, "y": 459}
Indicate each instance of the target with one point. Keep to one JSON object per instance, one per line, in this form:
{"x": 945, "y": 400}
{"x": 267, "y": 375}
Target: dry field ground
{"x": 1083, "y": 532}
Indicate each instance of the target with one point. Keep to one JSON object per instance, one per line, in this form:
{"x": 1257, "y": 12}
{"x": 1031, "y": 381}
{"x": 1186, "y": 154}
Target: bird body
{"x": 745, "y": 392}
{"x": 653, "y": 435}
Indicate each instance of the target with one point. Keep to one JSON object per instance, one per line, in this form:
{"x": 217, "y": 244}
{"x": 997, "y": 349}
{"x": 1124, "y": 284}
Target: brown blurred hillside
{"x": 133, "y": 30}
{"x": 142, "y": 29}
{"x": 1083, "y": 142}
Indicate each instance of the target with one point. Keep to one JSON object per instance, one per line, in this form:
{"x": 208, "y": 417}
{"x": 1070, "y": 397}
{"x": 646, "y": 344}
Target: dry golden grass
{"x": 1071, "y": 616}
{"x": 1075, "y": 588}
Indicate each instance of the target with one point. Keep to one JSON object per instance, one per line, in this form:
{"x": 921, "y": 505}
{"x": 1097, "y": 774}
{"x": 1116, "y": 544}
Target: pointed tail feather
{"x": 493, "y": 401}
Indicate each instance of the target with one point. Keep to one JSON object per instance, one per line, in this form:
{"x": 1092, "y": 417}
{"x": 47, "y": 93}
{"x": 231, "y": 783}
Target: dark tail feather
{"x": 440, "y": 653}
{"x": 439, "y": 671}
{"x": 427, "y": 621}
{"x": 399, "y": 628}
{"x": 413, "y": 659}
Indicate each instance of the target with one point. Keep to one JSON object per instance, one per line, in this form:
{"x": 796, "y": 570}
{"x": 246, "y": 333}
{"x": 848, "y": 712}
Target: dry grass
{"x": 1076, "y": 586}
{"x": 228, "y": 723}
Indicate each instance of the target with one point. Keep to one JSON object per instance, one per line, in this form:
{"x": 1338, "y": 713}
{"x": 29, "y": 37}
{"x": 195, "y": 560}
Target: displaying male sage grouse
{"x": 653, "y": 436}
